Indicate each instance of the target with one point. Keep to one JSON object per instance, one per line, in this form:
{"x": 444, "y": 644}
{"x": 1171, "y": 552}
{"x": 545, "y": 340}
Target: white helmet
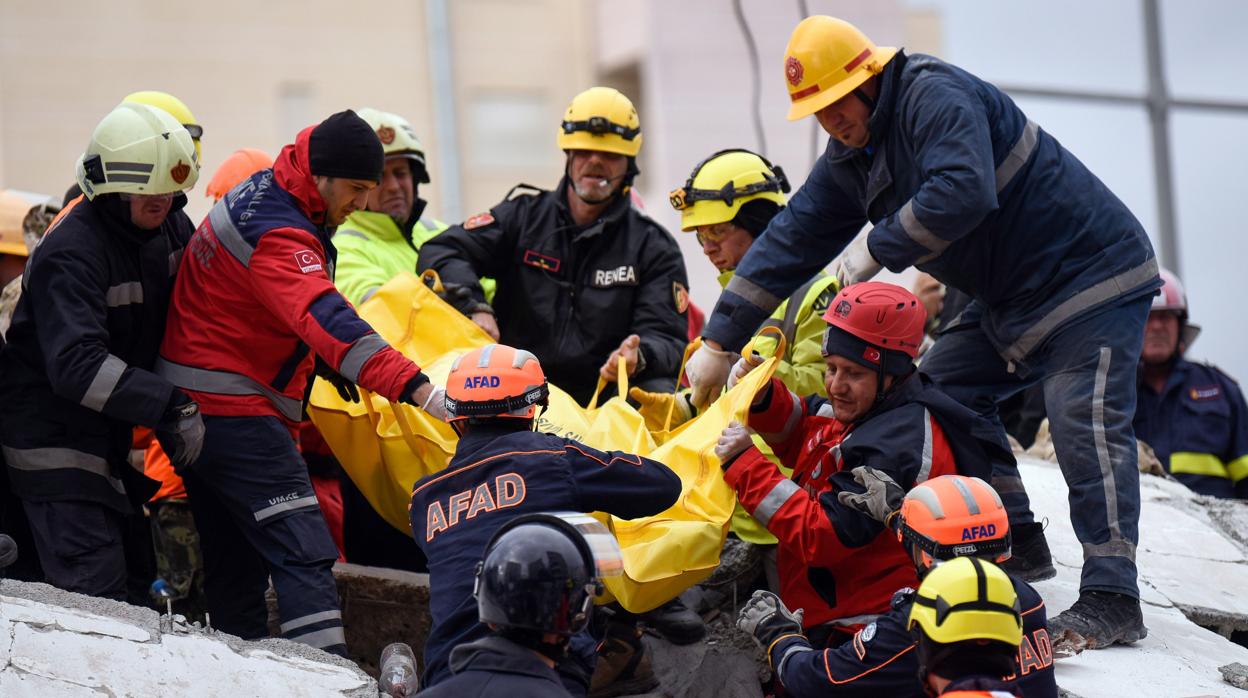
{"x": 138, "y": 149}
{"x": 397, "y": 138}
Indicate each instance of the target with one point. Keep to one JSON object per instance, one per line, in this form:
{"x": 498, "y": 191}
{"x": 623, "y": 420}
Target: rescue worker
{"x": 839, "y": 564}
{"x": 535, "y": 589}
{"x": 240, "y": 165}
{"x": 1193, "y": 415}
{"x": 583, "y": 276}
{"x": 253, "y": 309}
{"x": 728, "y": 200}
{"x": 76, "y": 374}
{"x": 944, "y": 518}
{"x": 502, "y": 469}
{"x": 382, "y": 239}
{"x": 957, "y": 181}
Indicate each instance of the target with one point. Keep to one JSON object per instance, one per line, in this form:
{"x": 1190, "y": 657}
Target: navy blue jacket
{"x": 76, "y": 375}
{"x": 881, "y": 660}
{"x": 495, "y": 476}
{"x": 1198, "y": 427}
{"x": 959, "y": 183}
{"x": 496, "y": 666}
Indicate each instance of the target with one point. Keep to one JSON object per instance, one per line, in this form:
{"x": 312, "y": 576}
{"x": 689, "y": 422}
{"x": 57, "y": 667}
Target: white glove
{"x": 733, "y": 441}
{"x": 434, "y": 402}
{"x": 739, "y": 369}
{"x": 855, "y": 262}
{"x": 707, "y": 371}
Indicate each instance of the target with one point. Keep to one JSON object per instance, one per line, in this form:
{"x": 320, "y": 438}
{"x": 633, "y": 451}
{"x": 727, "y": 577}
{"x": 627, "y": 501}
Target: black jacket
{"x": 75, "y": 375}
{"x": 881, "y": 660}
{"x": 570, "y": 295}
{"x": 496, "y": 666}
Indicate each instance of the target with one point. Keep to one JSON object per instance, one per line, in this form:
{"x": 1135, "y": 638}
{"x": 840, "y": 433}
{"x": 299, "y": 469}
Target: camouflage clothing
{"x": 178, "y": 558}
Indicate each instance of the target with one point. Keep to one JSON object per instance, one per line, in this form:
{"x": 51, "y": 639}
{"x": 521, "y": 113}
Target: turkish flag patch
{"x": 479, "y": 221}
{"x": 308, "y": 261}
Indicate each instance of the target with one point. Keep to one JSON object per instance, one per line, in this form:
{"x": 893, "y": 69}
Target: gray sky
{"x": 1099, "y": 45}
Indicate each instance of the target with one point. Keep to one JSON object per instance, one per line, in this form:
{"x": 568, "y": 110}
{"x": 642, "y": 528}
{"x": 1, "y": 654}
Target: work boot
{"x": 1030, "y": 559}
{"x": 676, "y": 622}
{"x": 623, "y": 666}
{"x": 1096, "y": 621}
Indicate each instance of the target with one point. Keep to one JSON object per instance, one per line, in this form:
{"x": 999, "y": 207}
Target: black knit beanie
{"x": 754, "y": 215}
{"x": 344, "y": 145}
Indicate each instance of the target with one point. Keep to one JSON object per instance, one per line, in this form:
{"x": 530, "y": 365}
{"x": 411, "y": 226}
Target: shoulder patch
{"x": 680, "y": 294}
{"x": 308, "y": 261}
{"x": 479, "y": 221}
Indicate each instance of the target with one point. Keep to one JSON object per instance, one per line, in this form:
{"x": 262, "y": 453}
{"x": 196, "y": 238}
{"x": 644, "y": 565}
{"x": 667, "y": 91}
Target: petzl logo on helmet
{"x": 386, "y": 135}
{"x": 843, "y": 308}
{"x": 180, "y": 172}
{"x": 793, "y": 71}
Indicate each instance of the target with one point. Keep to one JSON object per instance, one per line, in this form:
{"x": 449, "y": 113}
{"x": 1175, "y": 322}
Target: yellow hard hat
{"x": 826, "y": 59}
{"x": 397, "y": 138}
{"x": 138, "y": 149}
{"x": 176, "y": 107}
{"x": 603, "y": 119}
{"x": 722, "y": 183}
{"x": 967, "y": 599}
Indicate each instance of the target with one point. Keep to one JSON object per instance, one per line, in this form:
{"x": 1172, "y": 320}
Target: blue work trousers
{"x": 1087, "y": 367}
{"x": 258, "y": 518}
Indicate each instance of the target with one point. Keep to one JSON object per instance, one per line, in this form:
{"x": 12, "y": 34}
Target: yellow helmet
{"x": 397, "y": 138}
{"x": 603, "y": 119}
{"x": 138, "y": 149}
{"x": 967, "y": 599}
{"x": 176, "y": 107}
{"x": 826, "y": 59}
{"x": 722, "y": 183}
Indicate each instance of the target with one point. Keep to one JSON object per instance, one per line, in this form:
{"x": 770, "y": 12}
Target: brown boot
{"x": 623, "y": 664}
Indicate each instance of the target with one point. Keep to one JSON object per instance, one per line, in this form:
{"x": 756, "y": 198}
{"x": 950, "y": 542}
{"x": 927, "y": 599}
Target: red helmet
{"x": 954, "y": 516}
{"x": 1172, "y": 295}
{"x": 876, "y": 324}
{"x": 495, "y": 381}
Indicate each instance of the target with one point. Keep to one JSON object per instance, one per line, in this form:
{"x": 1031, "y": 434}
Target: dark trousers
{"x": 258, "y": 518}
{"x": 80, "y": 546}
{"x": 1087, "y": 368}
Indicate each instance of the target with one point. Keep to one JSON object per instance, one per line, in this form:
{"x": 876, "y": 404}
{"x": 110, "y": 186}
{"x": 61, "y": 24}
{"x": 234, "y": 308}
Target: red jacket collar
{"x": 294, "y": 174}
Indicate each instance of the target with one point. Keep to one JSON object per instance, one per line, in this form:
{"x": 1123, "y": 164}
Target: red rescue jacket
{"x": 255, "y": 303}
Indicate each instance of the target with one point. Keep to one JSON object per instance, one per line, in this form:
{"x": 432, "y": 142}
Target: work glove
{"x": 733, "y": 441}
{"x": 431, "y": 399}
{"x": 883, "y": 497}
{"x": 855, "y": 262}
{"x": 181, "y": 430}
{"x": 767, "y": 619}
{"x": 743, "y": 366}
{"x": 653, "y": 408}
{"x": 707, "y": 371}
{"x": 346, "y": 389}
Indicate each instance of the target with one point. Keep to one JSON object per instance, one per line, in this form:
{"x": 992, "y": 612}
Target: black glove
{"x": 181, "y": 430}
{"x": 767, "y": 619}
{"x": 346, "y": 389}
{"x": 459, "y": 296}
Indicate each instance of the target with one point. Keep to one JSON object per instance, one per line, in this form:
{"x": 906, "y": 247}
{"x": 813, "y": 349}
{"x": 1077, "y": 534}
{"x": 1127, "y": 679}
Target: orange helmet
{"x": 495, "y": 381}
{"x": 242, "y": 164}
{"x": 954, "y": 516}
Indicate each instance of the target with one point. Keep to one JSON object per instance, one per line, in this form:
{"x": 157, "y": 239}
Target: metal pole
{"x": 1159, "y": 119}
{"x": 438, "y": 34}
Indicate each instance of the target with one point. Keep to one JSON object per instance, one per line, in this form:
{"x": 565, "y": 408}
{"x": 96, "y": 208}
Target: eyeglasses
{"x": 715, "y": 234}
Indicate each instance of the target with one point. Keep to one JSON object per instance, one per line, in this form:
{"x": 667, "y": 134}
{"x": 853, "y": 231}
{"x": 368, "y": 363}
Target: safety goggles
{"x": 601, "y": 126}
{"x": 715, "y": 234}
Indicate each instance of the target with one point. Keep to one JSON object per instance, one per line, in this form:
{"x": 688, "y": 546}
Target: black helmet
{"x": 539, "y": 575}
